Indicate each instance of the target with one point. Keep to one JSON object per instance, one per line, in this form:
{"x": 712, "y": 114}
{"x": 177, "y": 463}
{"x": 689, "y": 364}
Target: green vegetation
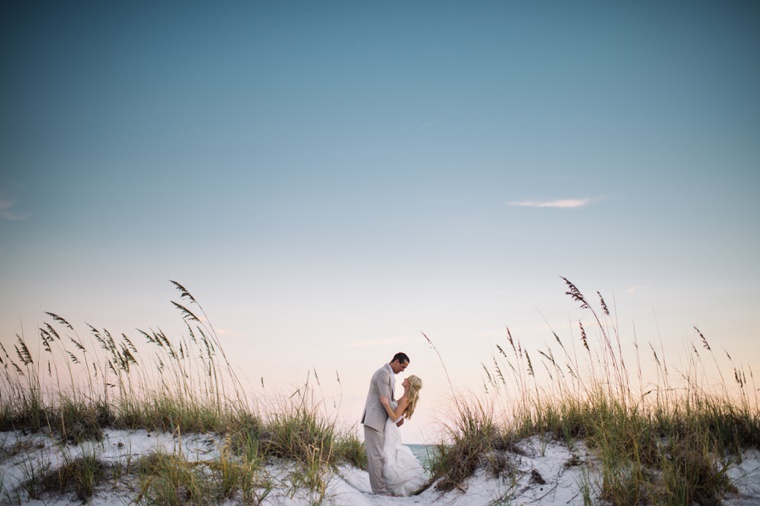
{"x": 74, "y": 388}
{"x": 660, "y": 442}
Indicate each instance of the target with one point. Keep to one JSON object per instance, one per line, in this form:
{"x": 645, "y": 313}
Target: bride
{"x": 403, "y": 473}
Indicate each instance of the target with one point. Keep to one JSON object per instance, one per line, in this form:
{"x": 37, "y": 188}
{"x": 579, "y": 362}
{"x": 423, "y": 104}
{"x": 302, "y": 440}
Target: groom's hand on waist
{"x": 400, "y": 422}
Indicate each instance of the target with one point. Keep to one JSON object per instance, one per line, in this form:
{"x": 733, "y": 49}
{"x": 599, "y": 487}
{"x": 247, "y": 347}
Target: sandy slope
{"x": 563, "y": 471}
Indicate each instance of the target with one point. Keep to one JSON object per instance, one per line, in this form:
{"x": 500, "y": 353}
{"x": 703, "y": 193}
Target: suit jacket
{"x": 374, "y": 415}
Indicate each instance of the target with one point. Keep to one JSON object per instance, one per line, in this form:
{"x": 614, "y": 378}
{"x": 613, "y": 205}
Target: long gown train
{"x": 403, "y": 473}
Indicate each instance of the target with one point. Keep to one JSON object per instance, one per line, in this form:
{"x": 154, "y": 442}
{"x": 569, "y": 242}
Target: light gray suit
{"x": 374, "y": 418}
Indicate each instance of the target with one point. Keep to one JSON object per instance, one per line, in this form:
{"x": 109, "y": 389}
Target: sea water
{"x": 423, "y": 453}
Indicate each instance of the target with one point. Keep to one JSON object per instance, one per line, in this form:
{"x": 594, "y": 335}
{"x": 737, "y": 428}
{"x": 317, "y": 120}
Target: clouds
{"x": 229, "y": 332}
{"x": 562, "y": 204}
{"x": 7, "y": 214}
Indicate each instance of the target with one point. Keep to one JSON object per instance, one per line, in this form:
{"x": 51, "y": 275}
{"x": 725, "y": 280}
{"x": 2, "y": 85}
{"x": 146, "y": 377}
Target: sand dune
{"x": 543, "y": 473}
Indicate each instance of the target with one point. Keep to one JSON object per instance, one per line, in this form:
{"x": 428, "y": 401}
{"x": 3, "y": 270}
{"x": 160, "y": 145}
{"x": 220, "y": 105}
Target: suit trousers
{"x": 373, "y": 443}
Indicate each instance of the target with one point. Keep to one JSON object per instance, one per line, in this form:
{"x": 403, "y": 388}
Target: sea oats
{"x": 187, "y": 314}
{"x": 530, "y": 365}
{"x": 52, "y": 331}
{"x": 583, "y": 336}
{"x": 147, "y": 336}
{"x": 548, "y": 371}
{"x": 511, "y": 341}
{"x": 109, "y": 339}
{"x": 59, "y": 320}
{"x": 77, "y": 344}
{"x": 128, "y": 355}
{"x": 46, "y": 340}
{"x": 488, "y": 375}
{"x": 655, "y": 355}
{"x": 704, "y": 341}
{"x": 192, "y": 334}
{"x": 739, "y": 378}
{"x": 575, "y": 293}
{"x": 207, "y": 342}
{"x": 184, "y": 293}
{"x": 23, "y": 353}
{"x": 498, "y": 371}
{"x": 603, "y": 304}
{"x": 129, "y": 343}
{"x": 95, "y": 332}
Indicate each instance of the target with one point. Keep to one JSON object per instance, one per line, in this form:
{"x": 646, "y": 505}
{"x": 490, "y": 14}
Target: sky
{"x": 332, "y": 179}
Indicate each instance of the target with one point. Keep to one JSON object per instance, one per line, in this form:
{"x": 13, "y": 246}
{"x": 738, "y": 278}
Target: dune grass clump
{"x": 655, "y": 441}
{"x": 475, "y": 441}
{"x": 78, "y": 476}
{"x": 75, "y": 386}
{"x": 172, "y": 479}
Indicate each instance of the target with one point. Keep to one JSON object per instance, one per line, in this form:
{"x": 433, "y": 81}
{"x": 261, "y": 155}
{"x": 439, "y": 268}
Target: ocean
{"x": 423, "y": 453}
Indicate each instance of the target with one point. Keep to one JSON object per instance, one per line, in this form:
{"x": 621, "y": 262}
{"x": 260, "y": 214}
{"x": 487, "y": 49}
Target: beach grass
{"x": 666, "y": 436}
{"x": 73, "y": 388}
{"x": 666, "y": 440}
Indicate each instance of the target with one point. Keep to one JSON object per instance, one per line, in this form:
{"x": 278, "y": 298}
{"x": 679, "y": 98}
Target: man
{"x": 375, "y": 416}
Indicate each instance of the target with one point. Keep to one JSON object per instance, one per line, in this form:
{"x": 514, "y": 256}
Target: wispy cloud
{"x": 376, "y": 343}
{"x": 229, "y": 332}
{"x": 7, "y": 214}
{"x": 562, "y": 204}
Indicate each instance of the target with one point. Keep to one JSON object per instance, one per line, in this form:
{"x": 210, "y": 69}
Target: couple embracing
{"x": 393, "y": 469}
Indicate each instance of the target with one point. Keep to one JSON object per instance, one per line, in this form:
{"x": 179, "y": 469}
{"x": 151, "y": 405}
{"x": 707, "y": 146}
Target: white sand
{"x": 19, "y": 453}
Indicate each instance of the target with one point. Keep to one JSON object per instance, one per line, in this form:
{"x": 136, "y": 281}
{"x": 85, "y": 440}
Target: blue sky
{"x": 330, "y": 178}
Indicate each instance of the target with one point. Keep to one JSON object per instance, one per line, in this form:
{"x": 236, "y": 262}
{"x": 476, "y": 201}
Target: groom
{"x": 383, "y": 383}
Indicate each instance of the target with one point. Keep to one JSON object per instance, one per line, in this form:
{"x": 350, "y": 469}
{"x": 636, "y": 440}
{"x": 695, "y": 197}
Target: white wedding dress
{"x": 403, "y": 473}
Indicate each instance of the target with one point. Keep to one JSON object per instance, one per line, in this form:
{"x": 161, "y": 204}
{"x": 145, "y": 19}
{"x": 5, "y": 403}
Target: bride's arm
{"x": 394, "y": 415}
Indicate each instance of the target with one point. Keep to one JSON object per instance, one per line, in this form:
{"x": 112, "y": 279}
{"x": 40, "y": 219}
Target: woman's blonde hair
{"x": 415, "y": 385}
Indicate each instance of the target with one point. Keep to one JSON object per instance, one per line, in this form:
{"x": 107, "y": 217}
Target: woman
{"x": 403, "y": 473}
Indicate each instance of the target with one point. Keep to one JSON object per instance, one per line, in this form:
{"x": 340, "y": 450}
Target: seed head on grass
{"x": 60, "y": 320}
{"x": 23, "y": 353}
{"x": 575, "y": 294}
{"x": 605, "y": 310}
{"x": 583, "y": 336}
{"x": 530, "y": 365}
{"x": 705, "y": 344}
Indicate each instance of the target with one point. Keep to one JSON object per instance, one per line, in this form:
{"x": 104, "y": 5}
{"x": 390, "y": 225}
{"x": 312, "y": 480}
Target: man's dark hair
{"x": 401, "y": 357}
